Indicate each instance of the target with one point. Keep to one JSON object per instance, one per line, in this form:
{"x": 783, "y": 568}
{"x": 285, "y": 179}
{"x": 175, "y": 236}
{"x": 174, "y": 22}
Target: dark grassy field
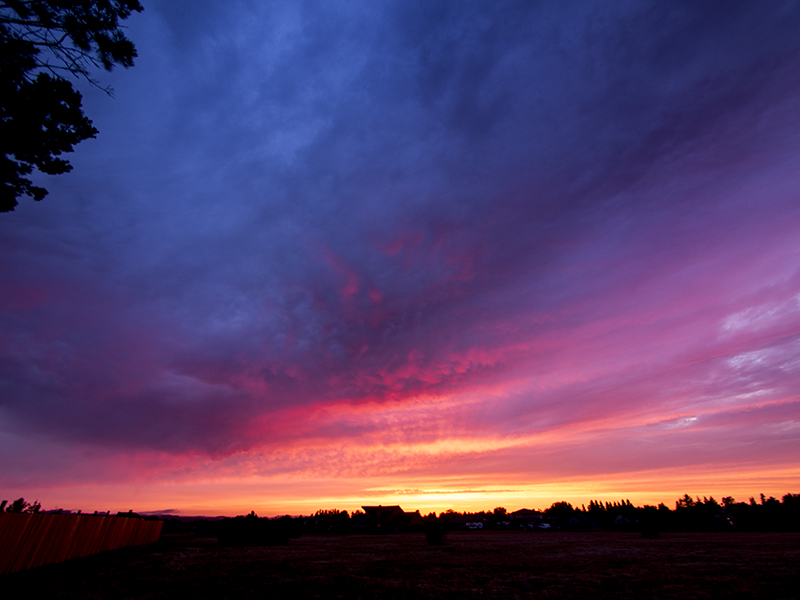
{"x": 479, "y": 564}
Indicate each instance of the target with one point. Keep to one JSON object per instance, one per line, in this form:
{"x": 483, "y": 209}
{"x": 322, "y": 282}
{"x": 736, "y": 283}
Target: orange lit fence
{"x": 31, "y": 540}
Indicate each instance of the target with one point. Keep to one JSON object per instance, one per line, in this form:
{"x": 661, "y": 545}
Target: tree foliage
{"x": 41, "y": 117}
{"x": 20, "y": 506}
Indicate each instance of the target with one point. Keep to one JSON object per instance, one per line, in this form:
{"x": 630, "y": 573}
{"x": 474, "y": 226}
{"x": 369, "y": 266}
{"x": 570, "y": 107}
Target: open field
{"x": 480, "y": 564}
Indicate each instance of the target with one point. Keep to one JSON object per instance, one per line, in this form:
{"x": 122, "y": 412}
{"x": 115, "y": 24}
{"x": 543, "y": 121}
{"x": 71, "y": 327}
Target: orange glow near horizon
{"x": 405, "y": 456}
{"x": 300, "y": 496}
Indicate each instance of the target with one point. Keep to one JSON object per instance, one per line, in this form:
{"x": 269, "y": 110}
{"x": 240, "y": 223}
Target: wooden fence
{"x": 34, "y": 539}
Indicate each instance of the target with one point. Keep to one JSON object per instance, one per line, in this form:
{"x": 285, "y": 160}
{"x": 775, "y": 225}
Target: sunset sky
{"x": 436, "y": 254}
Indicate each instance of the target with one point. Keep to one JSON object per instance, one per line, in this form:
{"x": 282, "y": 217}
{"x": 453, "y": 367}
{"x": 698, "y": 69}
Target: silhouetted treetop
{"x": 20, "y": 506}
{"x": 41, "y": 117}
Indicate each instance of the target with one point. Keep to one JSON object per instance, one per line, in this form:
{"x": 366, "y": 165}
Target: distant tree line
{"x": 690, "y": 514}
{"x": 20, "y": 506}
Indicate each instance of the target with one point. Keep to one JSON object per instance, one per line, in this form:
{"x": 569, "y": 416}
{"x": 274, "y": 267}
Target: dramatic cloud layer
{"x": 437, "y": 251}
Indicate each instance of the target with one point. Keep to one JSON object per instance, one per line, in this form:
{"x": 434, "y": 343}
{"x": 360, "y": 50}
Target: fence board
{"x": 31, "y": 540}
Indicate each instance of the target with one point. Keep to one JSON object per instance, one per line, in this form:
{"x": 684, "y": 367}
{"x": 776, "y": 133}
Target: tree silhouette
{"x": 20, "y": 506}
{"x": 41, "y": 116}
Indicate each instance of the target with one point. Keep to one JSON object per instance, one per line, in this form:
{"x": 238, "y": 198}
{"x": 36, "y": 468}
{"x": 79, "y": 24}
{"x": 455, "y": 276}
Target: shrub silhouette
{"x": 20, "y": 506}
{"x": 436, "y": 531}
{"x": 253, "y": 531}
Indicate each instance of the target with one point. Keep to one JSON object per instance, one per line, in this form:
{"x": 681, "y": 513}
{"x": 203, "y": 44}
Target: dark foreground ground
{"x": 479, "y": 564}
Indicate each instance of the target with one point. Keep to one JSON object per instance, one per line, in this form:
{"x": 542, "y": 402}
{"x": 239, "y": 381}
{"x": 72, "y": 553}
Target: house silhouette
{"x": 392, "y": 519}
